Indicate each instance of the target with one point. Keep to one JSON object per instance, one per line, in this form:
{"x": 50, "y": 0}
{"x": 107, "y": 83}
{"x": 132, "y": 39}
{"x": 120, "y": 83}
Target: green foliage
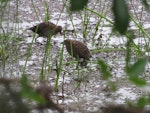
{"x": 143, "y": 101}
{"x": 3, "y": 55}
{"x": 104, "y": 68}
{"x": 46, "y": 7}
{"x": 121, "y": 14}
{"x": 137, "y": 69}
{"x": 138, "y": 81}
{"x": 128, "y": 52}
{"x": 113, "y": 86}
{"x": 146, "y": 5}
{"x": 77, "y": 5}
{"x": 11, "y": 99}
{"x": 28, "y": 92}
{"x": 121, "y": 19}
{"x": 4, "y": 0}
{"x": 59, "y": 67}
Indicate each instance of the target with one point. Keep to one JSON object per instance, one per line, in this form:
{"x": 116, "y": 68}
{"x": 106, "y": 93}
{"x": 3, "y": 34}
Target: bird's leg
{"x": 78, "y": 61}
{"x": 77, "y": 66}
{"x": 83, "y": 63}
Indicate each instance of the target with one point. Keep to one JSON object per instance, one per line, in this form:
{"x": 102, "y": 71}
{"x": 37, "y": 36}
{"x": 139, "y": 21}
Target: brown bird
{"x": 46, "y": 29}
{"x": 78, "y": 50}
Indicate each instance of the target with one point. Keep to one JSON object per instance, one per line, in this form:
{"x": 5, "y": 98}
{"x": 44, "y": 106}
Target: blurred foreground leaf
{"x": 121, "y": 14}
{"x": 10, "y": 99}
{"x": 77, "y": 5}
{"x": 137, "y": 69}
{"x": 4, "y": 0}
{"x": 104, "y": 68}
{"x": 141, "y": 102}
{"x": 138, "y": 81}
{"x": 29, "y": 92}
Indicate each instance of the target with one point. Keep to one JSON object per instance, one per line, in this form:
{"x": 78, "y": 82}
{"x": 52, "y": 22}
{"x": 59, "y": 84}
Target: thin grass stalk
{"x": 99, "y": 21}
{"x": 106, "y": 50}
{"x": 28, "y": 54}
{"x": 139, "y": 18}
{"x": 69, "y": 14}
{"x": 85, "y": 21}
{"x": 128, "y": 53}
{"x": 59, "y": 68}
{"x": 32, "y": 1}
{"x": 96, "y": 29}
{"x": 47, "y": 18}
{"x": 100, "y": 15}
{"x": 2, "y": 11}
{"x": 46, "y": 8}
{"x": 71, "y": 19}
{"x": 140, "y": 27}
{"x": 44, "y": 62}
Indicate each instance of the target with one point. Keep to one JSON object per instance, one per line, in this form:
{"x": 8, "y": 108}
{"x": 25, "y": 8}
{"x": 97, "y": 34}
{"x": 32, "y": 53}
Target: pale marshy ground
{"x": 93, "y": 92}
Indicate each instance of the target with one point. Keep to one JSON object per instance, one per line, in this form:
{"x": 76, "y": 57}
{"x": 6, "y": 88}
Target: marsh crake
{"x": 46, "y": 29}
{"x": 78, "y": 50}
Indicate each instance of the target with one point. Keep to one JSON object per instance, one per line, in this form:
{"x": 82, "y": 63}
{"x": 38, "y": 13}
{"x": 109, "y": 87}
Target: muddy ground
{"x": 94, "y": 92}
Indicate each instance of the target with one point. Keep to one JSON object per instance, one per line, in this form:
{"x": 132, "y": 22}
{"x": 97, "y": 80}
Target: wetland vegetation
{"x": 41, "y": 76}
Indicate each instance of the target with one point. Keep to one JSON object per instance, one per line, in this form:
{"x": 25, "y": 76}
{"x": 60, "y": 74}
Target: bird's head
{"x": 59, "y": 29}
{"x": 34, "y": 28}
